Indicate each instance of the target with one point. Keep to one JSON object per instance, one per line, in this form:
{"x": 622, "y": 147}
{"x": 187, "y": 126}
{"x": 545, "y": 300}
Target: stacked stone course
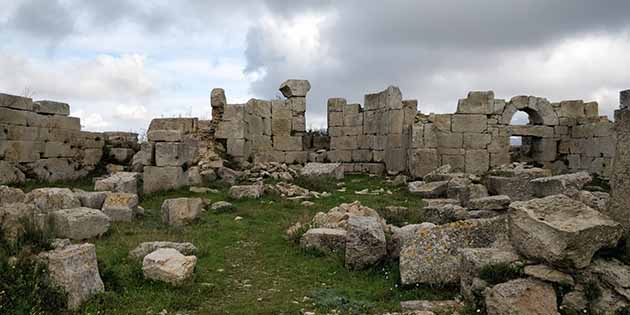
{"x": 40, "y": 140}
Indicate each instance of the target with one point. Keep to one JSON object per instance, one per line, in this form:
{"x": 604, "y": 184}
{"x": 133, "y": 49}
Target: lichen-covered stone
{"x": 324, "y": 239}
{"x": 181, "y": 211}
{"x": 146, "y": 248}
{"x": 168, "y": 265}
{"x": 79, "y": 223}
{"x": 365, "y": 242}
{"x": 522, "y": 297}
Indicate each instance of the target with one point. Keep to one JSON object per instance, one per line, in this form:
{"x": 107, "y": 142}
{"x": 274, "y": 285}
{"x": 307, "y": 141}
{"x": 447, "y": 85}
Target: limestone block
{"x": 572, "y": 109}
{"x": 449, "y": 139}
{"x": 287, "y": 143}
{"x": 371, "y": 121}
{"x": 521, "y": 296}
{"x": 422, "y": 161}
{"x": 181, "y": 211}
{"x": 127, "y": 182}
{"x": 335, "y": 119}
{"x": 430, "y": 136}
{"x": 173, "y": 154}
{"x": 79, "y": 223}
{"x": 16, "y": 102}
{"x": 21, "y": 151}
{"x": 344, "y": 143}
{"x": 75, "y": 269}
{"x": 395, "y": 160}
{"x": 165, "y": 135}
{"x": 23, "y": 133}
{"x": 14, "y": 117}
{"x": 280, "y": 109}
{"x": 62, "y": 122}
{"x": 441, "y": 122}
{"x": 51, "y": 108}
{"x": 391, "y": 98}
{"x": 296, "y": 157}
{"x": 477, "y": 161}
{"x": 168, "y": 265}
{"x": 361, "y": 155}
{"x": 457, "y": 162}
{"x": 297, "y": 104}
{"x": 295, "y": 88}
{"x": 591, "y": 109}
{"x": 281, "y": 126}
{"x": 336, "y": 104}
{"x": 476, "y": 140}
{"x": 56, "y": 169}
{"x": 410, "y": 109}
{"x": 340, "y": 155}
{"x": 261, "y": 143}
{"x": 234, "y": 112}
{"x": 350, "y": 109}
{"x": 499, "y": 106}
{"x": 499, "y": 158}
{"x": 469, "y": 123}
{"x": 417, "y": 136}
{"x": 561, "y": 130}
{"x": 163, "y": 178}
{"x": 120, "y": 206}
{"x": 235, "y": 147}
{"x": 378, "y": 156}
{"x": 477, "y": 102}
{"x": 529, "y": 130}
{"x": 146, "y": 248}
{"x": 396, "y": 120}
{"x": 365, "y": 242}
{"x": 545, "y": 149}
{"x": 258, "y": 108}
{"x": 57, "y": 149}
{"x": 298, "y": 123}
{"x": 230, "y": 129}
{"x": 352, "y": 119}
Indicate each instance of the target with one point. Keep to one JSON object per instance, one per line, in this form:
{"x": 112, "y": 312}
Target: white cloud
{"x": 132, "y": 112}
{"x": 92, "y": 121}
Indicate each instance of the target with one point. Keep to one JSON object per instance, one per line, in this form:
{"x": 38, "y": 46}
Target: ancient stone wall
{"x": 569, "y": 135}
{"x": 39, "y": 140}
{"x": 262, "y": 130}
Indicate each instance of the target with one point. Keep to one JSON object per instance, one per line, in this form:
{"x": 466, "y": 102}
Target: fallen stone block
{"x": 79, "y": 223}
{"x": 500, "y": 202}
{"x": 221, "y": 206}
{"x": 168, "y": 265}
{"x": 146, "y": 248}
{"x": 473, "y": 261}
{"x": 75, "y": 269}
{"x": 50, "y": 199}
{"x": 568, "y": 184}
{"x": 91, "y": 199}
{"x": 247, "y": 191}
{"x": 121, "y": 155}
{"x": 443, "y": 214}
{"x": 10, "y": 195}
{"x": 522, "y": 296}
{"x": 120, "y": 206}
{"x": 431, "y": 255}
{"x": 163, "y": 178}
{"x": 334, "y": 170}
{"x": 365, "y": 242}
{"x": 429, "y": 190}
{"x": 548, "y": 274}
{"x": 9, "y": 174}
{"x": 181, "y": 211}
{"x": 324, "y": 240}
{"x": 560, "y": 231}
{"x": 123, "y": 182}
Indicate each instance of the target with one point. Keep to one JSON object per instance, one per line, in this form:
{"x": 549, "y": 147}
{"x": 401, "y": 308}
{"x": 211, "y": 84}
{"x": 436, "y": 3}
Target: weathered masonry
{"x": 388, "y": 134}
{"x": 39, "y": 140}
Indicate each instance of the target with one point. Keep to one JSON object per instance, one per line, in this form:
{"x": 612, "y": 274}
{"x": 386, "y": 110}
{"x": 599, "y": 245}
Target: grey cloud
{"x": 49, "y": 20}
{"x": 425, "y": 47}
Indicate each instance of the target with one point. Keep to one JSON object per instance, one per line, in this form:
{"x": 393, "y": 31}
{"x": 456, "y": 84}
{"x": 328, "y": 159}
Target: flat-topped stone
{"x": 51, "y": 108}
{"x": 295, "y": 88}
{"x": 79, "y": 223}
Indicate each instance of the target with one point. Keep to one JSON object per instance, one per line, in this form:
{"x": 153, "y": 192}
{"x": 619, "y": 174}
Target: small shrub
{"x": 319, "y": 184}
{"x": 296, "y": 232}
{"x": 623, "y": 311}
{"x": 329, "y": 299}
{"x": 26, "y": 288}
{"x": 500, "y": 273}
{"x": 402, "y": 217}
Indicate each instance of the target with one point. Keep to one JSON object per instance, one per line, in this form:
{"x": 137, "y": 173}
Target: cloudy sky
{"x": 120, "y": 63}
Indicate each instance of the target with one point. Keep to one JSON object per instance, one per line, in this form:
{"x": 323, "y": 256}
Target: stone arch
{"x": 539, "y": 110}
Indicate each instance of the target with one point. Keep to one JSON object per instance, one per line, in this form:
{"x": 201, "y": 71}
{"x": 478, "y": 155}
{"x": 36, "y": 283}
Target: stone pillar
{"x": 619, "y": 205}
{"x": 624, "y": 97}
{"x": 217, "y": 102}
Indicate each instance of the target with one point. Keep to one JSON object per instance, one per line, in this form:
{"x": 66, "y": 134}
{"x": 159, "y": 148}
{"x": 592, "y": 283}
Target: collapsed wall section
{"x": 39, "y": 140}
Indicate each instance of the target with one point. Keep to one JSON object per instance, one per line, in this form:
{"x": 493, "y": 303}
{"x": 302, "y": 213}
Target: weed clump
{"x": 319, "y": 184}
{"x": 500, "y": 273}
{"x": 328, "y": 299}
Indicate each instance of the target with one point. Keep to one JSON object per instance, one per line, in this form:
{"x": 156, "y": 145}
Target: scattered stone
{"x": 163, "y": 178}
{"x": 228, "y": 175}
{"x": 429, "y": 190}
{"x": 254, "y": 191}
{"x": 431, "y": 255}
{"x": 514, "y": 181}
{"x": 521, "y": 296}
{"x": 338, "y": 216}
{"x": 120, "y": 206}
{"x": 10, "y": 195}
{"x": 307, "y": 203}
{"x": 79, "y": 223}
{"x": 50, "y": 199}
{"x": 222, "y": 206}
{"x": 181, "y": 211}
{"x": 548, "y": 274}
{"x": 595, "y": 200}
{"x": 440, "y": 307}
{"x": 13, "y": 217}
{"x": 324, "y": 239}
{"x": 400, "y": 180}
{"x": 490, "y": 203}
{"x": 365, "y": 242}
{"x": 91, "y": 199}
{"x": 75, "y": 269}
{"x": 575, "y": 301}
{"x": 10, "y": 174}
{"x": 146, "y": 248}
{"x": 568, "y": 184}
{"x": 443, "y": 214}
{"x": 439, "y": 174}
{"x": 439, "y": 202}
{"x": 168, "y": 265}
{"x": 614, "y": 273}
{"x": 473, "y": 261}
{"x": 124, "y": 182}
{"x": 203, "y": 190}
{"x": 560, "y": 231}
{"x": 334, "y": 170}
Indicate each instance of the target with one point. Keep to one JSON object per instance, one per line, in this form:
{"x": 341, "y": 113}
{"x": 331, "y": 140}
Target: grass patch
{"x": 326, "y": 300}
{"x": 318, "y": 184}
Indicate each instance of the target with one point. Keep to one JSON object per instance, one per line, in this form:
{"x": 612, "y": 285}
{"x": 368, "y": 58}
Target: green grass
{"x": 248, "y": 266}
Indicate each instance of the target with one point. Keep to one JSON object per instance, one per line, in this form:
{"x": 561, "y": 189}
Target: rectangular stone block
{"x": 469, "y": 123}
{"x": 417, "y": 136}
{"x": 390, "y": 98}
{"x": 23, "y": 133}
{"x": 163, "y": 178}
{"x": 545, "y": 150}
{"x": 287, "y": 143}
{"x": 336, "y": 156}
{"x": 21, "y": 151}
{"x": 367, "y": 141}
{"x": 351, "y": 109}
{"x": 561, "y": 130}
{"x": 172, "y": 154}
{"x": 378, "y": 156}
{"x": 13, "y": 117}
{"x": 449, "y": 139}
{"x": 381, "y": 143}
{"x": 165, "y": 135}
{"x": 91, "y": 157}
{"x": 572, "y": 109}
{"x": 255, "y": 125}
{"x": 534, "y": 131}
{"x": 344, "y": 143}
{"x": 477, "y": 102}
{"x": 187, "y": 125}
{"x": 395, "y": 141}
{"x": 457, "y": 162}
{"x": 297, "y": 104}
{"x": 16, "y": 102}
{"x": 410, "y": 109}
{"x": 258, "y": 108}
{"x": 230, "y": 129}
{"x": 499, "y": 158}
{"x": 236, "y": 147}
{"x": 336, "y": 104}
{"x": 476, "y": 140}
{"x": 296, "y": 157}
{"x": 591, "y": 109}
{"x": 352, "y": 131}
{"x": 281, "y": 126}
{"x": 352, "y": 119}
{"x": 361, "y": 155}
{"x": 477, "y": 161}
{"x": 430, "y": 136}
{"x": 261, "y": 143}
{"x": 51, "y": 108}
{"x": 396, "y": 121}
{"x": 58, "y": 150}
{"x": 335, "y": 119}
{"x": 422, "y": 161}
{"x": 280, "y": 109}
{"x": 298, "y": 123}
{"x": 441, "y": 122}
